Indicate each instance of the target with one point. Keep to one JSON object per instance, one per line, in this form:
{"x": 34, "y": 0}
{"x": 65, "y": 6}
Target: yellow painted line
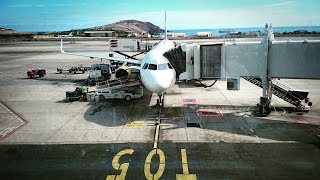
{"x": 184, "y": 160}
{"x": 156, "y": 137}
{"x": 186, "y": 177}
{"x": 185, "y": 168}
{"x": 111, "y": 177}
{"x": 123, "y": 167}
{"x": 134, "y": 125}
{"x": 147, "y": 165}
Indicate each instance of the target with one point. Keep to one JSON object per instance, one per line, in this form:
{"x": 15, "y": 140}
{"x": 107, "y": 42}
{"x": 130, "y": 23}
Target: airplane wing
{"x": 100, "y": 57}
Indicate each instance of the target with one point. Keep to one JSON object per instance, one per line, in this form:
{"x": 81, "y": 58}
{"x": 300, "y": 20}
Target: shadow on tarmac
{"x": 116, "y": 112}
{"x": 205, "y": 160}
{"x": 243, "y": 120}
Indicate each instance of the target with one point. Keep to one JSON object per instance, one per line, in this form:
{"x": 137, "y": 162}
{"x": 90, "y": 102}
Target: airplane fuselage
{"x": 157, "y": 74}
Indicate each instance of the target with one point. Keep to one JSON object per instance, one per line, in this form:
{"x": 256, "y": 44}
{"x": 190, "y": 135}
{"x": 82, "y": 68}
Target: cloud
{"x": 25, "y": 5}
{"x": 285, "y": 3}
{"x": 20, "y": 5}
{"x": 123, "y": 4}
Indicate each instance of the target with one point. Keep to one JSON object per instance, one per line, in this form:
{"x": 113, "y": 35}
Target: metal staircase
{"x": 117, "y": 84}
{"x": 283, "y": 92}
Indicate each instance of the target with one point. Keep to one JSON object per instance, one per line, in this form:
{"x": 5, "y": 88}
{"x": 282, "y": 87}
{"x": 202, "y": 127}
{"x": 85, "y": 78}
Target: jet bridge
{"x": 259, "y": 61}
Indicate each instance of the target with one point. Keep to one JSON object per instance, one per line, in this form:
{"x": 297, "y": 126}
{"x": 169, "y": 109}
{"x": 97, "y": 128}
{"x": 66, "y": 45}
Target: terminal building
{"x": 100, "y": 33}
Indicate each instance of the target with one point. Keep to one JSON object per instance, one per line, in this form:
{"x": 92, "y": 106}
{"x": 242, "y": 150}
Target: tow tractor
{"x": 36, "y": 72}
{"x": 76, "y": 94}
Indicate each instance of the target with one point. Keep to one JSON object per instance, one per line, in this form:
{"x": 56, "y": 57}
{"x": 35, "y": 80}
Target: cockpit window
{"x": 163, "y": 66}
{"x": 145, "y": 66}
{"x": 170, "y": 66}
{"x": 152, "y": 67}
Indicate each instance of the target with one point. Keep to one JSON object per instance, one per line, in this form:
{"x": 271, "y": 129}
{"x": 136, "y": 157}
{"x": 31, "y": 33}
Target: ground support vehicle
{"x": 36, "y": 72}
{"x": 126, "y": 93}
{"x": 76, "y": 94}
{"x": 74, "y": 70}
{"x": 99, "y": 73}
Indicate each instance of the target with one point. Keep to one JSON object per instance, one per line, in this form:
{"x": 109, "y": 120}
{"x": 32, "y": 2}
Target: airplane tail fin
{"x": 165, "y": 26}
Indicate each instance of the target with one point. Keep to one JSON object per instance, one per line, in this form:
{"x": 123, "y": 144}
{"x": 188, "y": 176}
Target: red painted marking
{"x": 208, "y": 112}
{"x": 309, "y": 117}
{"x": 17, "y": 114}
{"x": 189, "y": 101}
{"x": 309, "y": 131}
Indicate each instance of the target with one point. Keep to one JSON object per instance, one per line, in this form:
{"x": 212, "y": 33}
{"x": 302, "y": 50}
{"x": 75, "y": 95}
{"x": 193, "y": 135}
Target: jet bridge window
{"x": 152, "y": 67}
{"x": 163, "y": 66}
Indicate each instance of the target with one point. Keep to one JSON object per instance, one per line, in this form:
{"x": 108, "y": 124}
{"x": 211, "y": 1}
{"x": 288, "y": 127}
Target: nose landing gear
{"x": 160, "y": 100}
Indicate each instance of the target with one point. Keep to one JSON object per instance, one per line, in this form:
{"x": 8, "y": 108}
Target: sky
{"x": 59, "y": 15}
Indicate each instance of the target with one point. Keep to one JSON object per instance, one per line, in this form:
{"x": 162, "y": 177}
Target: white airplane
{"x": 156, "y": 72}
{"x": 69, "y": 35}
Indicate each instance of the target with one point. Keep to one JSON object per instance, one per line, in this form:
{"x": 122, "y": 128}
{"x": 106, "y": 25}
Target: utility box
{"x": 125, "y": 45}
{"x": 233, "y": 84}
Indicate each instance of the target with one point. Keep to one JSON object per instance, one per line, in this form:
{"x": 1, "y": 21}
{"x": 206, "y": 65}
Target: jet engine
{"x": 123, "y": 73}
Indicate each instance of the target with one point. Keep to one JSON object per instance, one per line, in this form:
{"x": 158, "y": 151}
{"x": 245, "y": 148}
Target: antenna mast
{"x": 165, "y": 25}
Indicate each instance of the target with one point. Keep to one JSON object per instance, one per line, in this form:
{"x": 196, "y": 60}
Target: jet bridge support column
{"x": 265, "y": 100}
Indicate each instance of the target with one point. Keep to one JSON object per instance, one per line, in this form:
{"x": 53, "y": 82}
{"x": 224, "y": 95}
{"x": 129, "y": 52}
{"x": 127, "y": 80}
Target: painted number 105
{"x": 147, "y": 166}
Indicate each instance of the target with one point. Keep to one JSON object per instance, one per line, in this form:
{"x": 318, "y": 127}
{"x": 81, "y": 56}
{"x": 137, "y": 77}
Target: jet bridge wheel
{"x": 127, "y": 97}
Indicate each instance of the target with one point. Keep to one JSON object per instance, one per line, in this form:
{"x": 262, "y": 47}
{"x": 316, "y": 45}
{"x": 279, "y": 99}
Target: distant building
{"x": 140, "y": 35}
{"x": 234, "y": 33}
{"x": 100, "y": 33}
{"x": 169, "y": 34}
{"x": 204, "y": 34}
{"x": 180, "y": 35}
{"x": 145, "y": 35}
{"x": 133, "y": 35}
{"x": 252, "y": 33}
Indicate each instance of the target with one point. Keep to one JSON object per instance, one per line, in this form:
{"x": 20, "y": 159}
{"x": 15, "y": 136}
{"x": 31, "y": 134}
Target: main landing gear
{"x": 160, "y": 100}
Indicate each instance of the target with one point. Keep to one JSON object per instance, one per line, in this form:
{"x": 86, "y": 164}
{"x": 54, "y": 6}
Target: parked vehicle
{"x": 36, "y": 72}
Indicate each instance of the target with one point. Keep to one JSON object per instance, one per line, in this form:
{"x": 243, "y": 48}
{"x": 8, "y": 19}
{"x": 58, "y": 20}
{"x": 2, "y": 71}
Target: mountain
{"x": 12, "y": 35}
{"x": 4, "y": 31}
{"x": 131, "y": 26}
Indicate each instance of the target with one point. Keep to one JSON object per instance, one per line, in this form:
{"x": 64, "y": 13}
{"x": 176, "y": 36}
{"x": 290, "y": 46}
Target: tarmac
{"x": 39, "y": 128}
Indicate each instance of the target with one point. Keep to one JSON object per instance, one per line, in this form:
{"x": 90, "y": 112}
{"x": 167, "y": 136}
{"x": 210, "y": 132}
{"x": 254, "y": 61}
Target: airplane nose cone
{"x": 162, "y": 84}
{"x": 158, "y": 85}
{"x": 158, "y": 81}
